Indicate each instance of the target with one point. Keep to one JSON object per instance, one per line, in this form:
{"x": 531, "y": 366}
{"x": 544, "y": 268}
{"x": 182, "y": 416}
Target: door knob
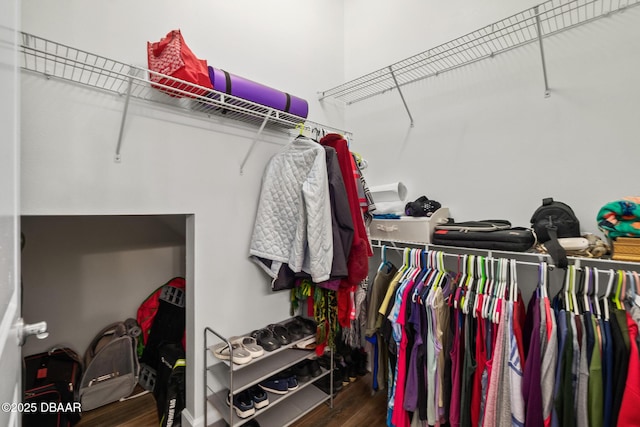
{"x": 38, "y": 329}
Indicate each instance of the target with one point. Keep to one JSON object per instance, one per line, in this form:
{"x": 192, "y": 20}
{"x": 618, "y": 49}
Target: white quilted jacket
{"x": 293, "y": 222}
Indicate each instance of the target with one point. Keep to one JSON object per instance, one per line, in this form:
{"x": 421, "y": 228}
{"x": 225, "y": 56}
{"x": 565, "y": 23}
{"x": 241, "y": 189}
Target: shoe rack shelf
{"x": 222, "y": 377}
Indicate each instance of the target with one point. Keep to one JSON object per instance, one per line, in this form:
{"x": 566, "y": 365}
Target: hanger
{"x": 607, "y": 293}
{"x": 629, "y": 289}
{"x": 579, "y": 284}
{"x": 514, "y": 282}
{"x": 469, "y": 283}
{"x": 481, "y": 279}
{"x": 455, "y": 283}
{"x": 300, "y": 128}
{"x": 462, "y": 275}
{"x": 574, "y": 297}
{"x": 596, "y": 290}
{"x": 586, "y": 290}
{"x": 496, "y": 302}
{"x": 316, "y": 133}
{"x": 636, "y": 280}
{"x": 622, "y": 279}
{"x": 487, "y": 286}
{"x": 542, "y": 282}
{"x": 423, "y": 271}
{"x": 567, "y": 297}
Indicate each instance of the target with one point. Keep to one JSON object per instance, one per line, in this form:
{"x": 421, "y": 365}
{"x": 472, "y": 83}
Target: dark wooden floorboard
{"x": 138, "y": 412}
{"x": 353, "y": 406}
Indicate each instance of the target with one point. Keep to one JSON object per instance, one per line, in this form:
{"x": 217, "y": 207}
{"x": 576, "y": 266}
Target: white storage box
{"x": 407, "y": 228}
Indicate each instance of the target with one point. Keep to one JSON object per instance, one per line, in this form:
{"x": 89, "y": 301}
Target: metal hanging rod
{"x": 530, "y": 25}
{"x": 56, "y": 60}
{"x": 454, "y": 255}
{"x": 577, "y": 261}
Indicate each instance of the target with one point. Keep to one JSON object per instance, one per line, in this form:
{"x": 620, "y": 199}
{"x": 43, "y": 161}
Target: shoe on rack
{"x": 251, "y": 423}
{"x": 288, "y": 376}
{"x": 259, "y": 396}
{"x": 264, "y": 338}
{"x": 275, "y": 385}
{"x": 324, "y": 382}
{"x": 325, "y": 361}
{"x": 302, "y": 371}
{"x": 280, "y": 333}
{"x": 223, "y": 352}
{"x": 250, "y": 344}
{"x": 242, "y": 403}
{"x": 295, "y": 330}
{"x": 292, "y": 383}
{"x": 314, "y": 368}
{"x": 309, "y": 326}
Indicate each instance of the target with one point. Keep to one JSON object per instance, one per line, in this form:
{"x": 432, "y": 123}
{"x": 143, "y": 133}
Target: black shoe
{"x": 289, "y": 377}
{"x": 259, "y": 396}
{"x": 242, "y": 403}
{"x": 302, "y": 371}
{"x": 308, "y": 326}
{"x": 324, "y": 382}
{"x": 314, "y": 368}
{"x": 360, "y": 361}
{"x": 295, "y": 330}
{"x": 324, "y": 361}
{"x": 265, "y": 339}
{"x": 280, "y": 333}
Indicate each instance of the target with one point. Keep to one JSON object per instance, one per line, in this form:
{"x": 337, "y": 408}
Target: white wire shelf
{"x": 55, "y": 60}
{"x": 530, "y": 25}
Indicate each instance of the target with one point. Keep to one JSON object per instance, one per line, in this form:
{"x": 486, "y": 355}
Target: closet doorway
{"x": 83, "y": 272}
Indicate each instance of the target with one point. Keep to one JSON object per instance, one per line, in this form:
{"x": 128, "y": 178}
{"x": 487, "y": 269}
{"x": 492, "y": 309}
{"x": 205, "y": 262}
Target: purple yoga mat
{"x": 258, "y": 93}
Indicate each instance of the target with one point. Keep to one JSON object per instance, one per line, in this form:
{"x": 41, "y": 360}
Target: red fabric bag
{"x": 172, "y": 57}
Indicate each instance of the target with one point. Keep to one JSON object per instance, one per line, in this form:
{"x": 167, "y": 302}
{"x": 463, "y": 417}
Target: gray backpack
{"x": 111, "y": 365}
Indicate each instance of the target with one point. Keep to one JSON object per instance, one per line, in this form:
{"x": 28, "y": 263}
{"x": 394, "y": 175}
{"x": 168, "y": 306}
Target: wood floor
{"x": 353, "y": 406}
{"x": 138, "y": 412}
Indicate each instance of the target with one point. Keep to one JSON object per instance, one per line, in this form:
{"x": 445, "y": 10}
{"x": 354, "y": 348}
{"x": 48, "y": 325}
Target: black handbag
{"x": 489, "y": 234}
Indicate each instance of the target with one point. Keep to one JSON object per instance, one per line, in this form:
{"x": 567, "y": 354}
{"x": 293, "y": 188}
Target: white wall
{"x": 486, "y": 142}
{"x": 171, "y": 164}
{"x": 82, "y": 273}
{"x": 9, "y": 206}
{"x": 481, "y": 132}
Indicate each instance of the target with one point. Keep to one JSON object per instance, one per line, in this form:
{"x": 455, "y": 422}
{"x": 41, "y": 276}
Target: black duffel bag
{"x": 496, "y": 235}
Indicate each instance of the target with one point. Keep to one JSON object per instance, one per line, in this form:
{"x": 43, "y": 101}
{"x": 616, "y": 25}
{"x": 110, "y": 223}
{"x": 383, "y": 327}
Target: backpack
{"x": 149, "y": 308}
{"x": 51, "y": 380}
{"x": 111, "y": 365}
{"x": 555, "y": 220}
{"x": 169, "y": 390}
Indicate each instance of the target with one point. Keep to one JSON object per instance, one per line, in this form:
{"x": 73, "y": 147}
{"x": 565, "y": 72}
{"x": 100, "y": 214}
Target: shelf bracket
{"x": 547, "y": 93}
{"x": 118, "y": 158}
{"x": 255, "y": 140}
{"x": 406, "y": 107}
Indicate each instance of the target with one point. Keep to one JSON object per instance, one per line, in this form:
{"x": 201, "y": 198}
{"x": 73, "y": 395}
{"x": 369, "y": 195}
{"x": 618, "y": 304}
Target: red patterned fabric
{"x": 172, "y": 57}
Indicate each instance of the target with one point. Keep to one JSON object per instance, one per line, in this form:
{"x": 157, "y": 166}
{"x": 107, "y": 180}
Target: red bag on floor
{"x": 172, "y": 57}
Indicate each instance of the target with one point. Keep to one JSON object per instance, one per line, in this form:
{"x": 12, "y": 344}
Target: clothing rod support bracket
{"x": 255, "y": 140}
{"x": 118, "y": 157}
{"x": 547, "y": 93}
{"x": 401, "y": 95}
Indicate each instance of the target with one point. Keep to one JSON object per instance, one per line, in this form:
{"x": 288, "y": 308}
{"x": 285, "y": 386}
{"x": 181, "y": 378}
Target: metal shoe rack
{"x": 529, "y": 26}
{"x": 59, "y": 61}
{"x": 222, "y": 377}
